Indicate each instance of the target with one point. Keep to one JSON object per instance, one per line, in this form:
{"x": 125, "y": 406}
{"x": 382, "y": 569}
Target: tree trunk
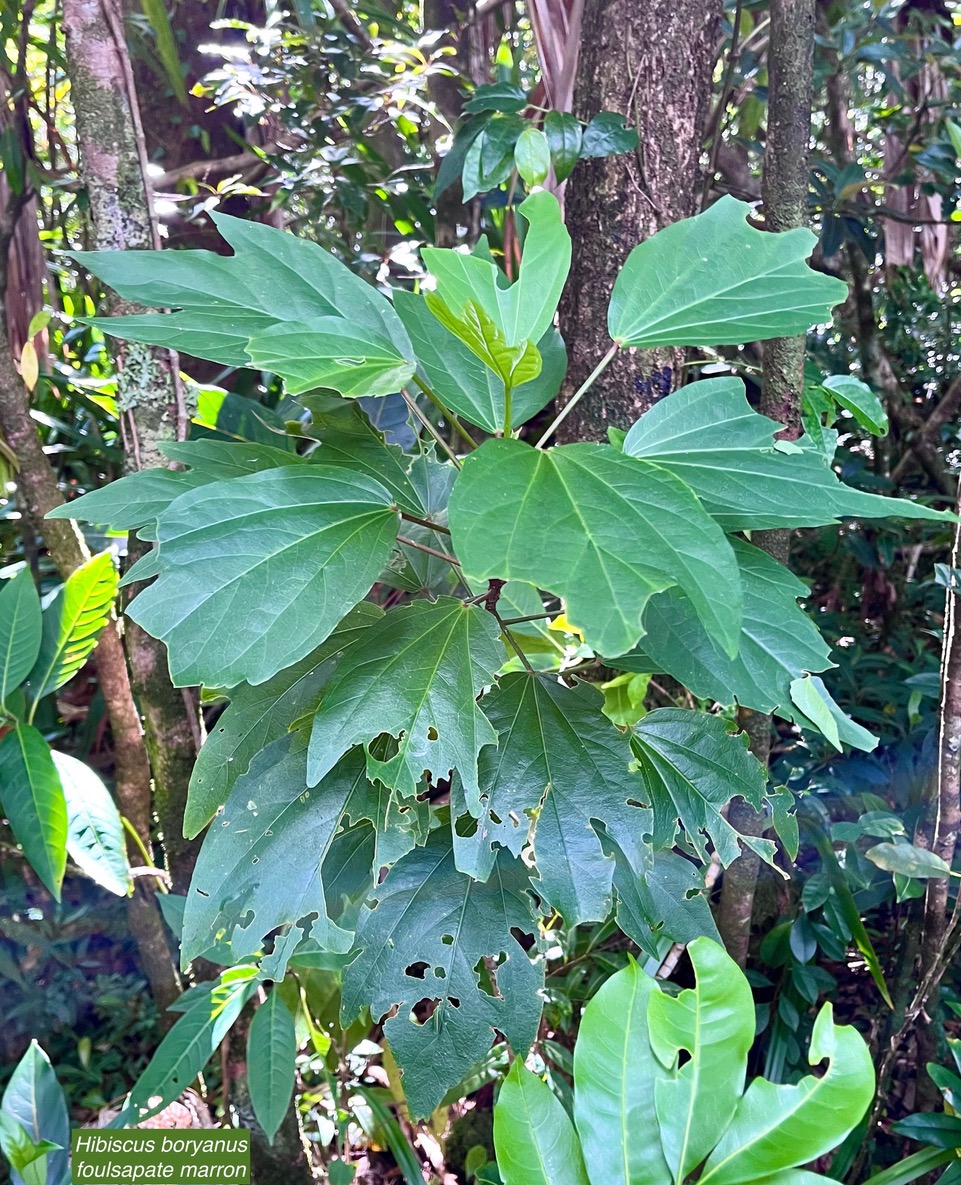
{"x": 785, "y": 194}
{"x": 653, "y": 62}
{"x": 151, "y": 402}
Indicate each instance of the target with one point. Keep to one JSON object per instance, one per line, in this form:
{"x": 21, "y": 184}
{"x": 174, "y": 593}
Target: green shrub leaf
{"x": 33, "y": 802}
{"x": 21, "y": 624}
{"x": 271, "y": 1050}
{"x": 534, "y": 1138}
{"x": 95, "y": 836}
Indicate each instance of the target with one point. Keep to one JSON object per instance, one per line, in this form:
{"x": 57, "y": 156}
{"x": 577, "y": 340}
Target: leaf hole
{"x": 495, "y": 818}
{"x": 417, "y": 970}
{"x": 440, "y": 972}
{"x": 447, "y": 939}
{"x": 465, "y": 827}
{"x": 432, "y": 733}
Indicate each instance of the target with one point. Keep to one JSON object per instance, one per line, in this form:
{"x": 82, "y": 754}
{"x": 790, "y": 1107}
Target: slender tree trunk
{"x": 152, "y": 406}
{"x": 652, "y": 62}
{"x": 785, "y": 194}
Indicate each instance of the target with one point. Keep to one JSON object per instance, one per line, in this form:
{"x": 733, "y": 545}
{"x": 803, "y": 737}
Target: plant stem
{"x": 512, "y": 641}
{"x": 448, "y": 415}
{"x": 425, "y": 522}
{"x": 722, "y": 101}
{"x": 508, "y": 393}
{"x": 529, "y": 617}
{"x": 142, "y": 849}
{"x": 579, "y": 394}
{"x": 441, "y": 555}
{"x": 412, "y": 404}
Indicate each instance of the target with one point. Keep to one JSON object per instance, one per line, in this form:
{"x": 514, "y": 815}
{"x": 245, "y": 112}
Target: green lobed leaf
{"x": 415, "y": 675}
{"x": 714, "y": 280}
{"x": 781, "y": 1127}
{"x": 258, "y": 715}
{"x": 615, "y": 1074}
{"x": 95, "y": 836}
{"x": 33, "y": 802}
{"x": 534, "y": 1138}
{"x": 691, "y": 767}
{"x": 256, "y": 572}
{"x": 564, "y": 134}
{"x": 432, "y": 936}
{"x": 713, "y": 1025}
{"x": 271, "y": 1051}
{"x": 602, "y": 530}
{"x": 33, "y": 1099}
{"x": 20, "y": 631}
{"x": 72, "y": 623}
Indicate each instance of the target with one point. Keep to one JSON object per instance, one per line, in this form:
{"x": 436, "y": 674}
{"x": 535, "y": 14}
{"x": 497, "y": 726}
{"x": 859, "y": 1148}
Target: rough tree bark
{"x": 653, "y": 62}
{"x": 151, "y": 401}
{"x": 785, "y": 196}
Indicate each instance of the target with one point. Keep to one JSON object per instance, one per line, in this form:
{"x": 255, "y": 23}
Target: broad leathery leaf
{"x": 72, "y": 623}
{"x": 690, "y": 766}
{"x": 33, "y": 802}
{"x": 858, "y": 398}
{"x": 534, "y": 1138}
{"x": 256, "y": 572}
{"x": 20, "y": 630}
{"x": 271, "y": 1052}
{"x": 95, "y": 836}
{"x": 779, "y": 642}
{"x": 466, "y": 385}
{"x": 497, "y": 96}
{"x": 564, "y": 134}
{"x": 514, "y": 365}
{"x": 781, "y": 1127}
{"x": 714, "y": 1025}
{"x": 525, "y": 310}
{"x": 908, "y": 860}
{"x": 532, "y": 156}
{"x": 814, "y": 706}
{"x": 713, "y": 280}
{"x": 709, "y": 435}
{"x": 34, "y": 1099}
{"x": 602, "y": 530}
{"x": 260, "y": 864}
{"x": 331, "y": 352}
{"x": 258, "y": 715}
{"x": 416, "y": 675}
{"x": 190, "y": 1044}
{"x": 559, "y": 756}
{"x": 615, "y": 1074}
{"x": 273, "y": 278}
{"x": 430, "y": 934}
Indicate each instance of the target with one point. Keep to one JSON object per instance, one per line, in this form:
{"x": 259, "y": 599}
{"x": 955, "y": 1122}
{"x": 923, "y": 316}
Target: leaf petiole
{"x": 579, "y": 394}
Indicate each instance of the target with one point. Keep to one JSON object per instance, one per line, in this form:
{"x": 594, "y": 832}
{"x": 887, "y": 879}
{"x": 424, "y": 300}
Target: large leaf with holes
{"x": 260, "y": 864}
{"x": 255, "y": 572}
{"x": 615, "y": 1073}
{"x": 600, "y": 529}
{"x": 272, "y": 280}
{"x": 263, "y": 713}
{"x": 33, "y": 802}
{"x": 713, "y": 1026}
{"x": 416, "y": 675}
{"x": 95, "y": 835}
{"x": 462, "y": 382}
{"x": 780, "y": 1127}
{"x": 524, "y": 310}
{"x": 690, "y": 767}
{"x": 72, "y": 623}
{"x": 20, "y": 631}
{"x": 533, "y": 1135}
{"x": 714, "y": 280}
{"x": 709, "y": 435}
{"x": 560, "y": 757}
{"x": 434, "y": 937}
{"x": 779, "y": 642}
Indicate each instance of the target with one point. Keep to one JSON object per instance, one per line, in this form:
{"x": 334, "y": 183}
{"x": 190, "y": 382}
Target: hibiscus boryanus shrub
{"x": 406, "y": 792}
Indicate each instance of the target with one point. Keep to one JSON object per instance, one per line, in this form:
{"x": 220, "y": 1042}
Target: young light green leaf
{"x": 23, "y": 1152}
{"x": 534, "y": 1138}
{"x": 858, "y": 398}
{"x": 908, "y": 860}
{"x": 714, "y": 1025}
{"x": 467, "y": 385}
{"x": 564, "y": 134}
{"x": 95, "y": 836}
{"x": 602, "y": 530}
{"x": 33, "y": 1099}
{"x": 691, "y": 767}
{"x": 271, "y": 1050}
{"x": 615, "y": 1074}
{"x": 33, "y": 802}
{"x": 72, "y": 623}
{"x": 432, "y": 934}
{"x": 514, "y": 365}
{"x": 20, "y": 630}
{"x": 714, "y": 280}
{"x": 780, "y": 1127}
{"x": 257, "y": 571}
{"x": 258, "y": 715}
{"x": 532, "y": 156}
{"x": 415, "y": 674}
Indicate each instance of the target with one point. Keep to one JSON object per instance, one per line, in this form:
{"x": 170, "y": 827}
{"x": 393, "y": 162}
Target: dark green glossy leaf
{"x": 607, "y": 135}
{"x": 564, "y": 134}
{"x": 497, "y": 96}
{"x": 33, "y": 802}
